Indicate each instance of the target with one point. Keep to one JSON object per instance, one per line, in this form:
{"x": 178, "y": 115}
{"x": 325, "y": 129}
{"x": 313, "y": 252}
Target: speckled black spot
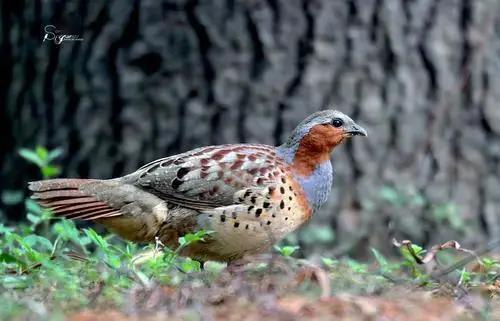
{"x": 182, "y": 172}
{"x": 223, "y": 218}
{"x": 271, "y": 189}
{"x": 246, "y": 227}
{"x": 274, "y": 215}
{"x": 210, "y": 215}
{"x": 253, "y": 199}
{"x": 290, "y": 198}
{"x": 283, "y": 180}
{"x": 266, "y": 204}
{"x": 286, "y": 218}
{"x": 258, "y": 212}
{"x": 290, "y": 188}
{"x": 176, "y": 183}
{"x": 289, "y": 208}
{"x": 236, "y": 224}
{"x": 282, "y": 190}
{"x": 268, "y": 223}
{"x": 178, "y": 161}
{"x": 282, "y": 204}
{"x": 250, "y": 208}
{"x": 165, "y": 163}
{"x": 240, "y": 199}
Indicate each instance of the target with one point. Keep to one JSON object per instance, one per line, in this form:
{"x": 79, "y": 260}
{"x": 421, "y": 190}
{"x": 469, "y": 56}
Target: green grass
{"x": 49, "y": 268}
{"x": 66, "y": 262}
{"x": 69, "y": 269}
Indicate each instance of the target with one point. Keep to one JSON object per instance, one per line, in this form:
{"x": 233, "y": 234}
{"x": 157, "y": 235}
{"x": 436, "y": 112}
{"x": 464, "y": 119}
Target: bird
{"x": 249, "y": 196}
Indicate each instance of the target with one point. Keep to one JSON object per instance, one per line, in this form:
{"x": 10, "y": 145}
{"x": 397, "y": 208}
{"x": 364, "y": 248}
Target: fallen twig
{"x": 477, "y": 254}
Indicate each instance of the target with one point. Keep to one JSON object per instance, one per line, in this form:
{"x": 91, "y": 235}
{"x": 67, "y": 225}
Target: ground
{"x": 270, "y": 287}
{"x": 52, "y": 270}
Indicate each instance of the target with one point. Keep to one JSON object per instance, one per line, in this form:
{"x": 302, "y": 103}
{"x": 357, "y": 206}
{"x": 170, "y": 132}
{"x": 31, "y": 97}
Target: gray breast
{"x": 318, "y": 185}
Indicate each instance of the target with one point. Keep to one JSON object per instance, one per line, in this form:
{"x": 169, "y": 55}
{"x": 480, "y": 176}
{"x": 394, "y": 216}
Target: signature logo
{"x": 52, "y": 34}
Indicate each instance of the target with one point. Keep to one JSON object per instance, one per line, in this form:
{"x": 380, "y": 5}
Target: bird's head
{"x": 316, "y": 136}
{"x": 324, "y": 130}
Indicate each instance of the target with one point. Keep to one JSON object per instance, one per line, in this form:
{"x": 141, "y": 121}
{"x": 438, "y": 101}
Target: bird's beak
{"x": 355, "y": 130}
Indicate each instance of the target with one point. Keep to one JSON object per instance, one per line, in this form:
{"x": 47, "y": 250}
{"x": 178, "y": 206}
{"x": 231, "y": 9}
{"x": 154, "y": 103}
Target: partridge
{"x": 249, "y": 195}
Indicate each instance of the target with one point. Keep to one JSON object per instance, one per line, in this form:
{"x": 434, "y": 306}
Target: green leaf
{"x": 53, "y": 154}
{"x": 357, "y": 267}
{"x": 324, "y": 234}
{"x": 15, "y": 282}
{"x": 8, "y": 258}
{"x": 114, "y": 261}
{"x": 286, "y": 250}
{"x": 33, "y": 218}
{"x": 66, "y": 229}
{"x": 465, "y": 276}
{"x": 42, "y": 152}
{"x": 390, "y": 195}
{"x": 10, "y": 197}
{"x": 193, "y": 237}
{"x": 408, "y": 256}
{"x": 50, "y": 171}
{"x": 143, "y": 278}
{"x": 31, "y": 253}
{"x": 31, "y": 157}
{"x": 96, "y": 238}
{"x": 381, "y": 260}
{"x": 5, "y": 230}
{"x": 314, "y": 234}
{"x": 417, "y": 249}
{"x": 32, "y": 240}
{"x": 33, "y": 207}
{"x": 46, "y": 214}
{"x": 490, "y": 264}
{"x": 182, "y": 240}
{"x": 418, "y": 200}
{"x": 189, "y": 265}
{"x": 449, "y": 212}
{"x": 329, "y": 262}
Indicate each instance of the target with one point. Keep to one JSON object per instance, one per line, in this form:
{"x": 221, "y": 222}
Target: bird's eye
{"x": 337, "y": 122}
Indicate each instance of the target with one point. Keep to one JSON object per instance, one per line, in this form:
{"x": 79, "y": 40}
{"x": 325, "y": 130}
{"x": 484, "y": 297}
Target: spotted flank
{"x": 261, "y": 217}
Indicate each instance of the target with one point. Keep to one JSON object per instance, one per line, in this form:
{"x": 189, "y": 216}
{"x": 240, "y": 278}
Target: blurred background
{"x": 155, "y": 78}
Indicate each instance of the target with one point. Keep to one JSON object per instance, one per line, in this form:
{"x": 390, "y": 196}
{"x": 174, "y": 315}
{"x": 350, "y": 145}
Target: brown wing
{"x": 209, "y": 177}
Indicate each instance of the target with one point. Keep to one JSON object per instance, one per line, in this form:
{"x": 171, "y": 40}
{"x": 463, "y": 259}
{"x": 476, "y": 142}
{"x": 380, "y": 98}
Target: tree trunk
{"x": 154, "y": 78}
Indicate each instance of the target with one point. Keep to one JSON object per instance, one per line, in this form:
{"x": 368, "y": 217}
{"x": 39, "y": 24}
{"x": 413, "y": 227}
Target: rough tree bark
{"x": 153, "y": 78}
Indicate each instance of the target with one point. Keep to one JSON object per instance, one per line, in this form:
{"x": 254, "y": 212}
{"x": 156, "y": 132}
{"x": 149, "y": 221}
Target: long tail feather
{"x": 65, "y": 197}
